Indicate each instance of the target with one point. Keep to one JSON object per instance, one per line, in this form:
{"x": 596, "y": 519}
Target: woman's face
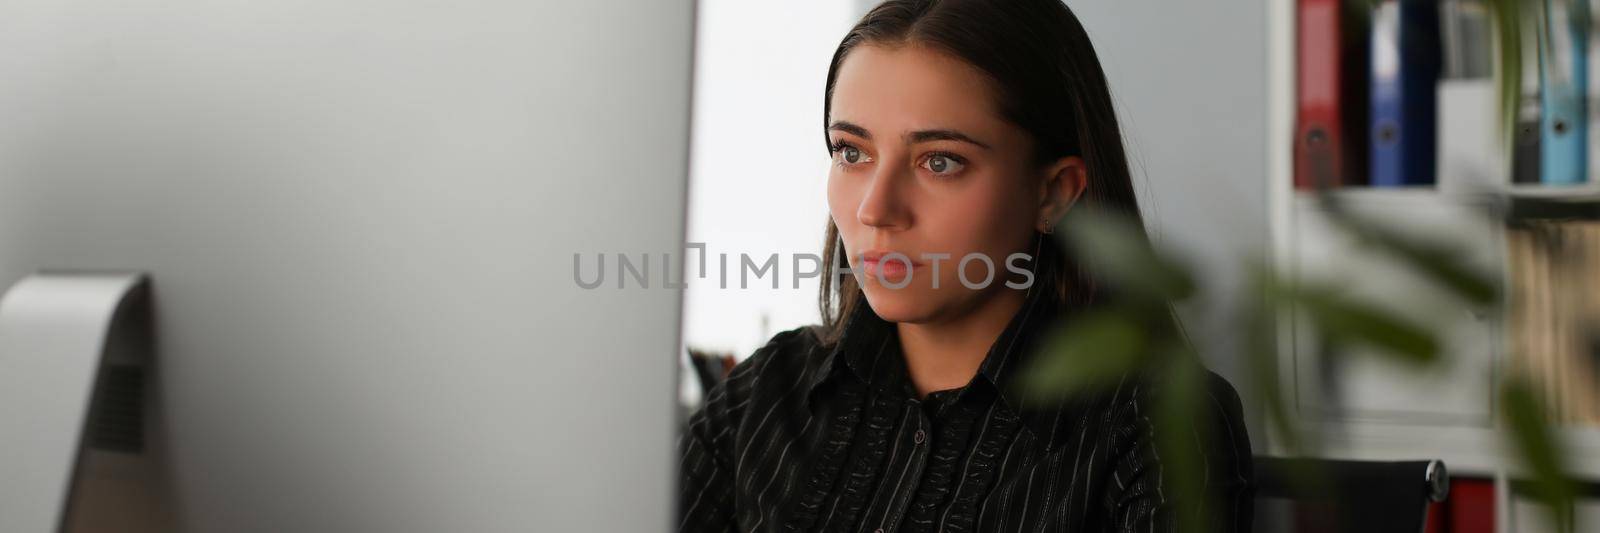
{"x": 924, "y": 165}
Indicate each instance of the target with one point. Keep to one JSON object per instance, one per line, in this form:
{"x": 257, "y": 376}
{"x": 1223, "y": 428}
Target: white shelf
{"x": 1469, "y": 444}
{"x": 1587, "y": 192}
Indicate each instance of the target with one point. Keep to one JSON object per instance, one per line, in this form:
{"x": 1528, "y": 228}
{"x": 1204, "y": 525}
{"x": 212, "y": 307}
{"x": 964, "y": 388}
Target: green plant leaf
{"x": 1117, "y": 250}
{"x": 1257, "y": 320}
{"x": 1090, "y": 350}
{"x": 1345, "y": 321}
{"x": 1442, "y": 264}
{"x": 1507, "y": 15}
{"x": 1539, "y": 449}
{"x": 1178, "y": 426}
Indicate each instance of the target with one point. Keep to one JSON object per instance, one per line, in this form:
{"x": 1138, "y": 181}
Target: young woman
{"x": 957, "y": 128}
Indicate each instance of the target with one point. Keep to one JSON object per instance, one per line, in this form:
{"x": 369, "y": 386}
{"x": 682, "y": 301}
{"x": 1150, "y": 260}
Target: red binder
{"x": 1330, "y": 141}
{"x": 1471, "y": 505}
{"x": 1468, "y": 509}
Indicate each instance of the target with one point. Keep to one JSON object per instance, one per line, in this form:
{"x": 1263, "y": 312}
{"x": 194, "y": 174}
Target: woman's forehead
{"x": 892, "y": 90}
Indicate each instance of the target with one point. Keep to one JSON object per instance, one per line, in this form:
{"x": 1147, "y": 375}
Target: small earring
{"x": 1048, "y": 227}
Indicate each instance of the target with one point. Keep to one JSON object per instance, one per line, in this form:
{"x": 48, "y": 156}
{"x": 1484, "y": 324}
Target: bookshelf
{"x": 1381, "y": 412}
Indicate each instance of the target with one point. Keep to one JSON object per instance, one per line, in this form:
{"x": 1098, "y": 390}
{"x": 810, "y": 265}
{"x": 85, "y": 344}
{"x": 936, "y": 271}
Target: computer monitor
{"x": 356, "y": 223}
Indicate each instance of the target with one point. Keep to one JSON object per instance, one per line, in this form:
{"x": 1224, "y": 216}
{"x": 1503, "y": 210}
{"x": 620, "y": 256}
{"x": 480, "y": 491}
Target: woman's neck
{"x": 946, "y": 354}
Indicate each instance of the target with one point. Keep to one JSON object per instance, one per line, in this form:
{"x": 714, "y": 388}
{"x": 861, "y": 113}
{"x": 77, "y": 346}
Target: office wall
{"x": 1189, "y": 79}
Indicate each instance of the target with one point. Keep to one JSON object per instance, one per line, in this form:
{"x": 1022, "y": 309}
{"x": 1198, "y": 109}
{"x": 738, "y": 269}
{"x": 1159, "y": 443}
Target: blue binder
{"x": 1564, "y": 82}
{"x": 1406, "y": 60}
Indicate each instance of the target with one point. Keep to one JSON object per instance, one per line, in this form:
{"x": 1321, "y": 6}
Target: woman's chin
{"x": 899, "y": 305}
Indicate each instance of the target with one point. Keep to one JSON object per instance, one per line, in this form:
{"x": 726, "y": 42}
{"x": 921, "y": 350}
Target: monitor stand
{"x": 77, "y": 406}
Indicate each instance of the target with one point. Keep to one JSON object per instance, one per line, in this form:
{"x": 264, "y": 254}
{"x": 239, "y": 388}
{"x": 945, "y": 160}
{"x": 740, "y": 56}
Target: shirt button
{"x": 920, "y": 437}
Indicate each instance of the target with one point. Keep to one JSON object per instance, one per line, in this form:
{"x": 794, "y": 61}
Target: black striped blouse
{"x": 807, "y": 436}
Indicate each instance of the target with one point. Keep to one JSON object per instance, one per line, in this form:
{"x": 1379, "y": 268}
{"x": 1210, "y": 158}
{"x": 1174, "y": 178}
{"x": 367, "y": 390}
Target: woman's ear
{"x": 1064, "y": 182}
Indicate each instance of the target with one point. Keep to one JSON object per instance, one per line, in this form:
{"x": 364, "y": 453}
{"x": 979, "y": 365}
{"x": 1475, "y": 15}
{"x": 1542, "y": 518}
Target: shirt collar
{"x": 865, "y": 341}
{"x": 869, "y": 349}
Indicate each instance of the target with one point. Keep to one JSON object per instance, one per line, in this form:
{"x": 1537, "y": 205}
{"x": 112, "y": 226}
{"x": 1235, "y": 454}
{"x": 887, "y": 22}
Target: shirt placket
{"x": 918, "y": 435}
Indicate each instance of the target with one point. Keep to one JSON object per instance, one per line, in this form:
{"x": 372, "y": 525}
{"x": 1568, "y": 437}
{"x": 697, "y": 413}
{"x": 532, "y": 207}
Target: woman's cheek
{"x": 834, "y": 200}
{"x": 976, "y": 227}
{"x": 842, "y": 208}
{"x": 842, "y": 200}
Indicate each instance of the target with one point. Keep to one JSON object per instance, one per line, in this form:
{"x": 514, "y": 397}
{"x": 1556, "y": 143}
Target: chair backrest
{"x": 1337, "y": 496}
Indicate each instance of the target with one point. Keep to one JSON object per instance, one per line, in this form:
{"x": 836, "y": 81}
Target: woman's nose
{"x": 883, "y": 205}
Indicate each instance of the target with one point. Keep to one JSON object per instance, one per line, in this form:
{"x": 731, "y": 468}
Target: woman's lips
{"x": 891, "y": 270}
{"x": 879, "y": 264}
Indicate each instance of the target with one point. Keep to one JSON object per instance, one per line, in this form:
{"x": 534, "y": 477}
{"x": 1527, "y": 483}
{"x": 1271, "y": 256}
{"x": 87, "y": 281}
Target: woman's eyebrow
{"x": 920, "y": 136}
{"x": 943, "y": 135}
{"x": 850, "y": 128}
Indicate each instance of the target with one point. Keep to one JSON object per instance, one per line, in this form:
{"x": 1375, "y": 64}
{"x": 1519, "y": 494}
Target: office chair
{"x": 710, "y": 368}
{"x": 1338, "y": 496}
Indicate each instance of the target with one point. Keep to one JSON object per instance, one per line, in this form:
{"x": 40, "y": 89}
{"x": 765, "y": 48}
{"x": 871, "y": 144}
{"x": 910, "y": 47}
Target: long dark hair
{"x": 1050, "y": 84}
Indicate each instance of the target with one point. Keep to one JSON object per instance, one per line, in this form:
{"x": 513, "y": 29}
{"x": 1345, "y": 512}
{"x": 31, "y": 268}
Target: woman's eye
{"x": 942, "y": 165}
{"x": 850, "y": 155}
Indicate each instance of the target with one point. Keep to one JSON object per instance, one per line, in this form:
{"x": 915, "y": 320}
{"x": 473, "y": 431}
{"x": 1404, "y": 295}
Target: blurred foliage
{"x": 1138, "y": 332}
{"x": 1507, "y": 17}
